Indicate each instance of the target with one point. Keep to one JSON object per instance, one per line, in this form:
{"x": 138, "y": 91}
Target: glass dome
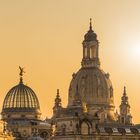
{"x": 21, "y": 98}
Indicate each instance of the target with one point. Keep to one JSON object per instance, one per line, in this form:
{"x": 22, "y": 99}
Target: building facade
{"x": 90, "y": 113}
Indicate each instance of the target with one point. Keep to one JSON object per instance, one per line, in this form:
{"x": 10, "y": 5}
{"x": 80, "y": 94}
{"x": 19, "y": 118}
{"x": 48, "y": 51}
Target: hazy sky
{"x": 45, "y": 37}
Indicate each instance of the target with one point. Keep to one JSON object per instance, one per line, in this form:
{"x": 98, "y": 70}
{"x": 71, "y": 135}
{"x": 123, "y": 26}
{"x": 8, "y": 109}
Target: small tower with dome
{"x": 125, "y": 116}
{"x": 57, "y": 104}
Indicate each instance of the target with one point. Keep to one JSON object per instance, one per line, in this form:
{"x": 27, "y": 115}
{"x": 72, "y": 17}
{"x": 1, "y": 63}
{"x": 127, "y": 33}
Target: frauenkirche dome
{"x": 91, "y": 84}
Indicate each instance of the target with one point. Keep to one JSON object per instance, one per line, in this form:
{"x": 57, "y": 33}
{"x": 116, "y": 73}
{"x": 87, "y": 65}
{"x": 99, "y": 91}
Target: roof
{"x": 20, "y": 98}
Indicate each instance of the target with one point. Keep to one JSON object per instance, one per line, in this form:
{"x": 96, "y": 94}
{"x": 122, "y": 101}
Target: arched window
{"x": 91, "y": 53}
{"x": 94, "y": 52}
{"x": 63, "y": 128}
{"x": 85, "y": 129}
{"x": 44, "y": 134}
{"x": 85, "y": 52}
{"x": 111, "y": 92}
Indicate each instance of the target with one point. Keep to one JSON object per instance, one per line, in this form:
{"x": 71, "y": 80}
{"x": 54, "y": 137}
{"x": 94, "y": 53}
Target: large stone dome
{"x": 93, "y": 86}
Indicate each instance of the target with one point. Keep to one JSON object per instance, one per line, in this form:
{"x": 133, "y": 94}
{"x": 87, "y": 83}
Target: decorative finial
{"x": 21, "y": 74}
{"x": 58, "y": 99}
{"x": 57, "y": 91}
{"x": 57, "y": 96}
{"x": 90, "y": 24}
{"x": 124, "y": 92}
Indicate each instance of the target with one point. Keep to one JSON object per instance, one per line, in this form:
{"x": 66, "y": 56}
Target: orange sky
{"x": 45, "y": 37}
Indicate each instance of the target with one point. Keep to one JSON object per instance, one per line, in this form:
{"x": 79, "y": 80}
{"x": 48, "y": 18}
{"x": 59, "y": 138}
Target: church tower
{"x": 57, "y": 104}
{"x": 91, "y": 85}
{"x": 125, "y": 115}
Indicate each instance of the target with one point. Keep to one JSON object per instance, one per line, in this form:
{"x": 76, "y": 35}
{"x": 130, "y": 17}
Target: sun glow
{"x": 134, "y": 51}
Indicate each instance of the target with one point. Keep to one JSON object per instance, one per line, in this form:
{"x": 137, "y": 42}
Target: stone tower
{"x": 125, "y": 115}
{"x": 57, "y": 104}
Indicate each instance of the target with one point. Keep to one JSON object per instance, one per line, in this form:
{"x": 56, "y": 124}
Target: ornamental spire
{"x": 58, "y": 100}
{"x": 21, "y": 74}
{"x": 124, "y": 91}
{"x": 124, "y": 97}
{"x": 90, "y": 27}
{"x": 57, "y": 104}
{"x": 125, "y": 116}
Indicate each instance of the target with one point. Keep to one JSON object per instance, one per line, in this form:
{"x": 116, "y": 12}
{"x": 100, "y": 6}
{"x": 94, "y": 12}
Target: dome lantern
{"x": 90, "y": 49}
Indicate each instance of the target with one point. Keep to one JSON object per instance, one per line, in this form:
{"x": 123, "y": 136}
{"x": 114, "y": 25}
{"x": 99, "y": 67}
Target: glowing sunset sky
{"x": 45, "y": 37}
